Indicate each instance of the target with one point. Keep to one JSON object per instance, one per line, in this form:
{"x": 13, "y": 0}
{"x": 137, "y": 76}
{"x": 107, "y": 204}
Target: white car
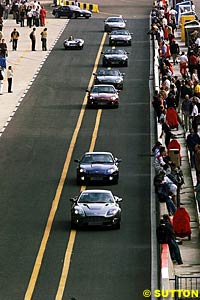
{"x": 112, "y": 23}
{"x": 73, "y": 43}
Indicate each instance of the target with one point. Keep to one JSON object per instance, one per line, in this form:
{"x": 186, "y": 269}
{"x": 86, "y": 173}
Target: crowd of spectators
{"x": 22, "y": 10}
{"x": 177, "y": 101}
{"x": 35, "y": 15}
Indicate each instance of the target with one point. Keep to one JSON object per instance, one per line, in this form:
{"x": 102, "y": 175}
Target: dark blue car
{"x": 97, "y": 167}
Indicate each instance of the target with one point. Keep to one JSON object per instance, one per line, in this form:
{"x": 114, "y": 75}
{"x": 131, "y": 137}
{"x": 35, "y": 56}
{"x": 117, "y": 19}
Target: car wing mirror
{"x": 123, "y": 74}
{"x": 87, "y": 90}
{"x": 95, "y": 74}
{"x": 118, "y": 160}
{"x": 73, "y": 199}
{"x": 118, "y": 199}
{"x": 102, "y": 52}
{"x": 77, "y": 160}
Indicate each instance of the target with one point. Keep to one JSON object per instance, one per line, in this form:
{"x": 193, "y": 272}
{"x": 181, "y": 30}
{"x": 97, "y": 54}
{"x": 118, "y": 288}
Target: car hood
{"x": 85, "y": 11}
{"x": 115, "y": 55}
{"x": 75, "y": 41}
{"x": 95, "y": 168}
{"x": 115, "y": 24}
{"x": 119, "y": 36}
{"x": 109, "y": 78}
{"x": 96, "y": 209}
{"x": 103, "y": 95}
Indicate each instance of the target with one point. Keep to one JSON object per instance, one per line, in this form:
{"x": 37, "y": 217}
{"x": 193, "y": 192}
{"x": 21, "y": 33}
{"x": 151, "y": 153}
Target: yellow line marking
{"x": 68, "y": 253}
{"x": 40, "y": 255}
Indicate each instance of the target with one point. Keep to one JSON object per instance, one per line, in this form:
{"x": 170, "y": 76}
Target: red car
{"x": 103, "y": 95}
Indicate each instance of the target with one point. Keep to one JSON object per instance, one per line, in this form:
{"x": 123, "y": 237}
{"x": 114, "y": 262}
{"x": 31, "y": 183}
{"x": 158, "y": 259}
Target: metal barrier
{"x": 92, "y": 7}
{"x": 187, "y": 283}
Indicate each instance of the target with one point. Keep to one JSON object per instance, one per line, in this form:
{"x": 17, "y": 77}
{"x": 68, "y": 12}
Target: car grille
{"x": 95, "y": 220}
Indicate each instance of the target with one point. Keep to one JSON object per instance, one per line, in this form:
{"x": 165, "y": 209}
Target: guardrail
{"x": 92, "y": 7}
{"x": 191, "y": 283}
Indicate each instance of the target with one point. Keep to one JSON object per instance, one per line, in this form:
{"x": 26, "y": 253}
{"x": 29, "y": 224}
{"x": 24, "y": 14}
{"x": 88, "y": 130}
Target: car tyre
{"x": 104, "y": 64}
{"x": 87, "y": 17}
{"x": 117, "y": 225}
{"x": 126, "y": 64}
{"x": 73, "y": 225}
{"x": 110, "y": 43}
{"x": 78, "y": 181}
{"x": 116, "y": 180}
{"x": 57, "y": 16}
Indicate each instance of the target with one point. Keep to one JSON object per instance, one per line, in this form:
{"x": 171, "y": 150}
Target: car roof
{"x": 100, "y": 85}
{"x": 98, "y": 152}
{"x": 96, "y": 191}
{"x": 119, "y": 30}
{"x": 116, "y": 17}
{"x": 107, "y": 71}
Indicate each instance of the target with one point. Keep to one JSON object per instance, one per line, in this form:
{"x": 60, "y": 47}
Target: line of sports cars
{"x": 100, "y": 207}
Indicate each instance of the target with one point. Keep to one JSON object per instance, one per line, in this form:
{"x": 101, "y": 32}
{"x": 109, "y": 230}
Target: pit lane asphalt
{"x": 105, "y": 264}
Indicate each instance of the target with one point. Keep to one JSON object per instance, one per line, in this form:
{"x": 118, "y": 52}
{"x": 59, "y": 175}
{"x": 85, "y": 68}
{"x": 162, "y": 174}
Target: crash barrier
{"x": 165, "y": 267}
{"x": 92, "y": 7}
{"x": 185, "y": 282}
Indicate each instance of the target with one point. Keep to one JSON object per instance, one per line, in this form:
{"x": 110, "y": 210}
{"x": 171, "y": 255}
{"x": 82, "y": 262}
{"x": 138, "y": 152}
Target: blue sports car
{"x": 97, "y": 166}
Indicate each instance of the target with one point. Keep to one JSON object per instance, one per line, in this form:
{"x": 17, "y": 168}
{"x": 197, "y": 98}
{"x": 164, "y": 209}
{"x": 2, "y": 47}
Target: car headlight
{"x": 79, "y": 211}
{"x": 82, "y": 170}
{"x": 112, "y": 212}
{"x": 124, "y": 57}
{"x": 91, "y": 98}
{"x": 110, "y": 171}
{"x": 118, "y": 80}
{"x": 113, "y": 98}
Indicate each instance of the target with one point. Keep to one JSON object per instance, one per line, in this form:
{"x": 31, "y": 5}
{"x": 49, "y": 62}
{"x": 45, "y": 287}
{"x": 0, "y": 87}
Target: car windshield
{"x": 103, "y": 89}
{"x": 115, "y": 20}
{"x": 97, "y": 158}
{"x": 96, "y": 198}
{"x": 115, "y": 51}
{"x": 120, "y": 32}
{"x": 108, "y": 73}
{"x": 74, "y": 7}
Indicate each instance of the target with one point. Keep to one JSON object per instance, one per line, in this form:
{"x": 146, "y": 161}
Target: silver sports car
{"x": 109, "y": 76}
{"x": 96, "y": 208}
{"x": 112, "y": 23}
{"x": 120, "y": 37}
{"x": 73, "y": 43}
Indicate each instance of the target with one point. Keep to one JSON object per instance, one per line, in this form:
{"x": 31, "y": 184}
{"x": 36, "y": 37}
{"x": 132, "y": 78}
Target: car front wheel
{"x": 111, "y": 43}
{"x": 117, "y": 225}
{"x": 104, "y": 63}
{"x": 126, "y": 64}
{"x": 57, "y": 15}
{"x": 73, "y": 225}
